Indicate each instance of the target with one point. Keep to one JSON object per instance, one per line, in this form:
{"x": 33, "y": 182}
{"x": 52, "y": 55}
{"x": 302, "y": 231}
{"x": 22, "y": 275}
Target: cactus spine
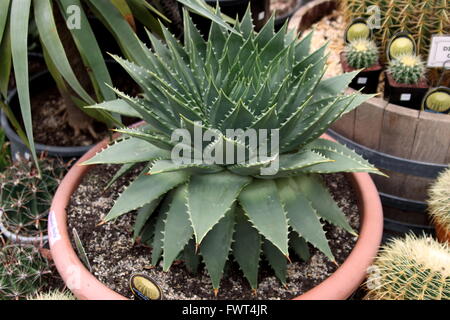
{"x": 439, "y": 201}
{"x": 361, "y": 53}
{"x": 407, "y": 69}
{"x": 53, "y": 295}
{"x": 411, "y": 269}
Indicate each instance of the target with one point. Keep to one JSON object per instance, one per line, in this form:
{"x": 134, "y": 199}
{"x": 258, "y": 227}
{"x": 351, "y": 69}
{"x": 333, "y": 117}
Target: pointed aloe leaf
{"x": 263, "y": 206}
{"x": 247, "y": 249}
{"x": 302, "y": 48}
{"x": 45, "y": 22}
{"x": 303, "y": 218}
{"x": 314, "y": 189}
{"x": 119, "y": 106}
{"x": 219, "y": 191}
{"x": 177, "y": 229}
{"x": 4, "y": 10}
{"x": 299, "y": 245}
{"x": 216, "y": 246}
{"x": 293, "y": 162}
{"x": 143, "y": 214}
{"x": 157, "y": 245}
{"x": 201, "y": 8}
{"x": 20, "y": 14}
{"x": 240, "y": 118}
{"x": 333, "y": 86}
{"x": 161, "y": 166}
{"x": 80, "y": 249}
{"x": 345, "y": 159}
{"x": 156, "y": 139}
{"x": 123, "y": 170}
{"x": 144, "y": 190}
{"x": 129, "y": 150}
{"x": 277, "y": 260}
{"x": 191, "y": 257}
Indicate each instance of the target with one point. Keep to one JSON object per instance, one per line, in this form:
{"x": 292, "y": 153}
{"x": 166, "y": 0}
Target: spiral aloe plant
{"x": 239, "y": 79}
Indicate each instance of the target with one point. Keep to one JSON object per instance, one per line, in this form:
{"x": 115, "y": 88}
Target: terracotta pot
{"x": 367, "y": 79}
{"x": 442, "y": 234}
{"x": 340, "y": 285}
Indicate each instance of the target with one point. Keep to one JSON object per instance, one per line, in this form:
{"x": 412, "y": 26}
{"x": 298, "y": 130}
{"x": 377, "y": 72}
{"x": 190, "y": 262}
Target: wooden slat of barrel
{"x": 368, "y": 123}
{"x": 398, "y": 132}
{"x": 346, "y": 125}
{"x": 431, "y": 144}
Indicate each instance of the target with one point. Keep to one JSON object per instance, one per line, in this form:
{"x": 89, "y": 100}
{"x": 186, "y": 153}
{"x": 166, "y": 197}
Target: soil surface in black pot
{"x": 114, "y": 257}
{"x": 282, "y": 7}
{"x": 50, "y": 126}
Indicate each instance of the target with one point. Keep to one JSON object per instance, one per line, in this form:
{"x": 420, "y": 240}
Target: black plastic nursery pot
{"x": 38, "y": 82}
{"x": 236, "y": 8}
{"x": 406, "y": 95}
{"x": 367, "y": 79}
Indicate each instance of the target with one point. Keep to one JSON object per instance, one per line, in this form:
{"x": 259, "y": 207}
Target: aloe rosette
{"x": 238, "y": 79}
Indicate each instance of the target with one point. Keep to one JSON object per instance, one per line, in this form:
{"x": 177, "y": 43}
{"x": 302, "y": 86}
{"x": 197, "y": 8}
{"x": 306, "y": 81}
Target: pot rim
{"x": 340, "y": 285}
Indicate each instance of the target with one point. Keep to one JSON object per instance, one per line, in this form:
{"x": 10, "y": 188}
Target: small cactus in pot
{"x": 439, "y": 205}
{"x": 407, "y": 69}
{"x": 410, "y": 269}
{"x": 361, "y": 53}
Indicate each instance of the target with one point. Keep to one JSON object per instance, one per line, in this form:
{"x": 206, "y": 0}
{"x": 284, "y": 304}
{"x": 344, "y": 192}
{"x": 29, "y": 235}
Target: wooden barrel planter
{"x": 410, "y": 146}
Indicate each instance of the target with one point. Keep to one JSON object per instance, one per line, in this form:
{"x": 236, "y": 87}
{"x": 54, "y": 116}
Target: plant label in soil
{"x": 439, "y": 51}
{"x": 144, "y": 288}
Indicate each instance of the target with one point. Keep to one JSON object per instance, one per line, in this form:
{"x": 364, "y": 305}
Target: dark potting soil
{"x": 50, "y": 126}
{"x": 114, "y": 257}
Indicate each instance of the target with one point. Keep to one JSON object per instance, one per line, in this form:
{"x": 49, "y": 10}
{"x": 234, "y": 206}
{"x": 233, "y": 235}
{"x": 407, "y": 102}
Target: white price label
{"x": 362, "y": 80}
{"x": 405, "y": 97}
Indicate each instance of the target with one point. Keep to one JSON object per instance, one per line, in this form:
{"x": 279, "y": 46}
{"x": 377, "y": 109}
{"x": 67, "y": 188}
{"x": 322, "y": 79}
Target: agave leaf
{"x": 216, "y": 247}
{"x": 144, "y": 190}
{"x": 333, "y": 86}
{"x": 143, "y": 214}
{"x": 220, "y": 191}
{"x": 155, "y": 139}
{"x": 80, "y": 249}
{"x": 119, "y": 106}
{"x": 266, "y": 33}
{"x": 313, "y": 188}
{"x": 158, "y": 235}
{"x": 291, "y": 163}
{"x": 300, "y": 246}
{"x": 345, "y": 159}
{"x": 247, "y": 248}
{"x": 302, "y": 48}
{"x": 303, "y": 218}
{"x": 263, "y": 206}
{"x": 123, "y": 170}
{"x": 240, "y": 118}
{"x": 191, "y": 258}
{"x": 276, "y": 259}
{"x": 177, "y": 228}
{"x": 130, "y": 150}
{"x": 162, "y": 166}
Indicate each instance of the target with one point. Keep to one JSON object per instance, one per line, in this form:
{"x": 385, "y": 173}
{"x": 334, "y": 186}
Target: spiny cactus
{"x": 239, "y": 79}
{"x": 407, "y": 69}
{"x": 411, "y": 269}
{"x": 52, "y": 295}
{"x": 361, "y": 53}
{"x": 439, "y": 201}
{"x": 421, "y": 18}
{"x": 22, "y": 271}
{"x": 25, "y": 198}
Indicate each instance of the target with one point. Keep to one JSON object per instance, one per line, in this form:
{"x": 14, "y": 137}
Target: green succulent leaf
{"x": 143, "y": 214}
{"x": 191, "y": 257}
{"x": 139, "y": 193}
{"x": 216, "y": 247}
{"x": 303, "y": 218}
{"x": 177, "y": 228}
{"x": 299, "y": 245}
{"x": 313, "y": 188}
{"x": 277, "y": 260}
{"x": 247, "y": 248}
{"x": 220, "y": 191}
{"x": 263, "y": 206}
{"x": 158, "y": 234}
